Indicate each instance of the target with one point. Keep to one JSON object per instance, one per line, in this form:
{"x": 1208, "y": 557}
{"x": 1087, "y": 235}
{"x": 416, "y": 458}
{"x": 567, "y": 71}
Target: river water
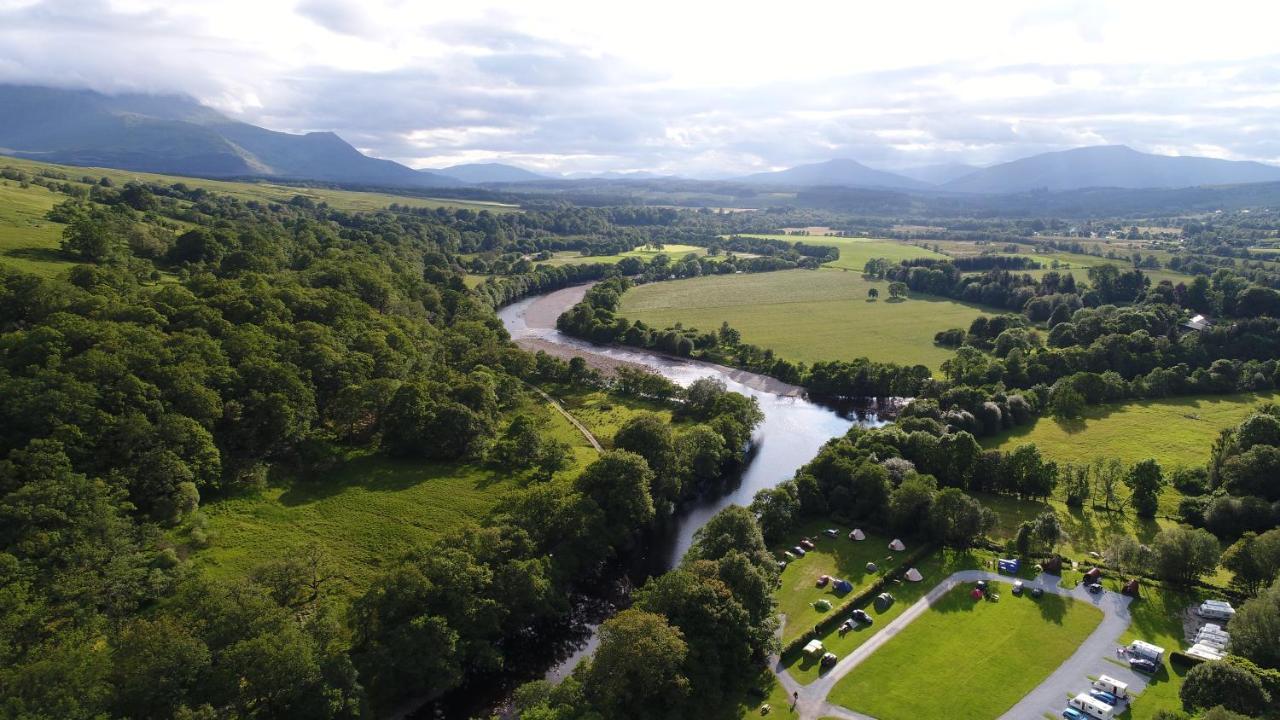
{"x": 793, "y": 430}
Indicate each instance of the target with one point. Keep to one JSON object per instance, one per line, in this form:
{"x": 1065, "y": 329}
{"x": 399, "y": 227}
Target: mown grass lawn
{"x": 363, "y": 514}
{"x": 838, "y": 557}
{"x": 806, "y": 315}
{"x": 935, "y": 568}
{"x": 855, "y": 252}
{"x": 1174, "y": 431}
{"x": 967, "y": 658}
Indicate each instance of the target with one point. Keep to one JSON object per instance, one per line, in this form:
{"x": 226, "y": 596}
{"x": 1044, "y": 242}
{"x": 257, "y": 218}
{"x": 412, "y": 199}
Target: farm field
{"x": 28, "y": 241}
{"x": 838, "y": 557}
{"x": 855, "y": 252}
{"x": 1174, "y": 431}
{"x": 364, "y": 513}
{"x": 644, "y": 252}
{"x": 806, "y": 315}
{"x": 977, "y": 655}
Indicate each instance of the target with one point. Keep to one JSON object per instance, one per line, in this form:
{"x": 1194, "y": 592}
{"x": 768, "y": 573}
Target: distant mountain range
{"x": 174, "y": 134}
{"x": 489, "y": 173}
{"x": 1113, "y": 166}
{"x": 839, "y": 172}
{"x": 177, "y": 135}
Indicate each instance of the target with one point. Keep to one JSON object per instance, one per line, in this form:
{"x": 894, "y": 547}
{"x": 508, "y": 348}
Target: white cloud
{"x": 707, "y": 87}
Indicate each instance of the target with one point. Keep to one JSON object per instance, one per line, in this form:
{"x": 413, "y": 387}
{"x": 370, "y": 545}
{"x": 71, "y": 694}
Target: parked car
{"x": 832, "y": 532}
{"x": 1037, "y": 592}
{"x": 862, "y": 617}
{"x": 798, "y": 551}
{"x": 829, "y": 660}
{"x": 1017, "y": 588}
{"x": 1142, "y": 664}
{"x": 1104, "y": 696}
{"x": 806, "y": 544}
{"x": 1073, "y": 714}
{"x": 1094, "y": 588}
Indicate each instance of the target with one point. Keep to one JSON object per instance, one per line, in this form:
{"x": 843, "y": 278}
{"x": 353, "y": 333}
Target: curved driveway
{"x": 1050, "y": 696}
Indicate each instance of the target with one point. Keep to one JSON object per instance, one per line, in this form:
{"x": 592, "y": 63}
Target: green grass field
{"x": 28, "y": 241}
{"x": 363, "y": 514}
{"x": 967, "y": 658}
{"x": 644, "y": 252}
{"x": 806, "y": 315}
{"x": 1175, "y": 431}
{"x": 934, "y": 568}
{"x": 838, "y": 557}
{"x": 855, "y": 252}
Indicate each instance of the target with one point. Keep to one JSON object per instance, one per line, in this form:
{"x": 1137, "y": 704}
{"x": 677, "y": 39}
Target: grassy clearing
{"x": 1175, "y": 431}
{"x": 978, "y": 656}
{"x": 28, "y": 241}
{"x": 935, "y": 568}
{"x": 855, "y": 252}
{"x": 365, "y": 513}
{"x": 644, "y": 252}
{"x": 604, "y": 414}
{"x": 264, "y": 191}
{"x": 838, "y": 557}
{"x": 806, "y": 315}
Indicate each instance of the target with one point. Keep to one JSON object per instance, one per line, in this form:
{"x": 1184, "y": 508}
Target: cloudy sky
{"x": 695, "y": 87}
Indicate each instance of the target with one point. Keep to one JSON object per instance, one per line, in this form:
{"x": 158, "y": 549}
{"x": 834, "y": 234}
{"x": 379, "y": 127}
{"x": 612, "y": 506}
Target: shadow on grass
{"x": 381, "y": 474}
{"x": 39, "y": 254}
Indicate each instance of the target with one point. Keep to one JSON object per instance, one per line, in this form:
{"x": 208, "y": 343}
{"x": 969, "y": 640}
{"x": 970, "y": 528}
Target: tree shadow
{"x": 1053, "y": 607}
{"x": 1071, "y": 426}
{"x": 39, "y": 254}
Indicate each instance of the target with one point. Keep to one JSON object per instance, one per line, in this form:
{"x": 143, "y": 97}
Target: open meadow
{"x": 967, "y": 658}
{"x": 807, "y": 315}
{"x": 363, "y": 513}
{"x": 856, "y": 251}
{"x": 646, "y": 253}
{"x": 28, "y": 241}
{"x": 1175, "y": 431}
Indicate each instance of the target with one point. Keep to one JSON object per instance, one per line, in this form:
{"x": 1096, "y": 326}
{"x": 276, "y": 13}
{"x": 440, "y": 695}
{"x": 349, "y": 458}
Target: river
{"x": 793, "y": 430}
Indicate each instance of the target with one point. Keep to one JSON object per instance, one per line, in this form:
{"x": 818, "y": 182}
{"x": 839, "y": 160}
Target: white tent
{"x": 897, "y": 545}
{"x": 914, "y": 575}
{"x": 857, "y": 535}
{"x": 813, "y": 648}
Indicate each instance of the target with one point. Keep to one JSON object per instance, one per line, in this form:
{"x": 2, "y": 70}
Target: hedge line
{"x": 862, "y": 597}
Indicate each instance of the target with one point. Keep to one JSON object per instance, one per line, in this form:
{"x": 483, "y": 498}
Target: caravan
{"x": 1216, "y": 609}
{"x": 1146, "y": 650}
{"x": 1091, "y": 707}
{"x": 1106, "y": 683}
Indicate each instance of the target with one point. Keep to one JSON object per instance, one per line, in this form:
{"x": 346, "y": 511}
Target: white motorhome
{"x": 1216, "y": 609}
{"x": 1086, "y": 704}
{"x": 1106, "y": 683}
{"x": 1155, "y": 653}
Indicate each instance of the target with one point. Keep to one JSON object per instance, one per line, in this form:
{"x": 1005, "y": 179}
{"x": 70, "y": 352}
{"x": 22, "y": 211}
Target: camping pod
{"x": 1093, "y": 574}
{"x": 1053, "y": 565}
{"x": 1131, "y": 588}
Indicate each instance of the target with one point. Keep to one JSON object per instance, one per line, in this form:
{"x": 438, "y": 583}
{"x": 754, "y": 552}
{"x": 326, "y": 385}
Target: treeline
{"x": 691, "y": 645}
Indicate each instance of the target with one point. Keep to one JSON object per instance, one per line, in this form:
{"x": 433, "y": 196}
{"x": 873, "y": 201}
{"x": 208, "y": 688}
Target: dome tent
{"x": 897, "y": 545}
{"x": 913, "y": 575}
{"x": 857, "y": 535}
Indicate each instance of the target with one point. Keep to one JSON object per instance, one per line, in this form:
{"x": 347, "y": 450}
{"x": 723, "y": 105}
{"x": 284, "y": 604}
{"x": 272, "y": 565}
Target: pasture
{"x": 646, "y": 253}
{"x": 967, "y": 657}
{"x": 1174, "y": 431}
{"x": 28, "y": 241}
{"x": 806, "y": 315}
{"x": 855, "y": 251}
